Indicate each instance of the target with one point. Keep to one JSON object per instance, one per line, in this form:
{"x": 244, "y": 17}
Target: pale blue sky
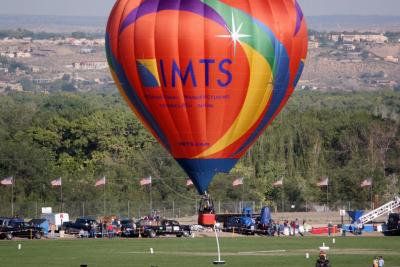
{"x": 102, "y": 7}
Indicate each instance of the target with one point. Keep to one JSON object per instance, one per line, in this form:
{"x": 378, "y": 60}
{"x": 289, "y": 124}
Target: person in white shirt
{"x": 381, "y": 261}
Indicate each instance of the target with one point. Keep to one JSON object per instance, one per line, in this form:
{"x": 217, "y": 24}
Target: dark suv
{"x": 20, "y": 229}
{"x": 129, "y": 228}
{"x": 393, "y": 225}
{"x": 4, "y": 222}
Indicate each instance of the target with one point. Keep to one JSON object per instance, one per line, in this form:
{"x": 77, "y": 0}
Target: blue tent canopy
{"x": 265, "y": 216}
{"x": 355, "y": 214}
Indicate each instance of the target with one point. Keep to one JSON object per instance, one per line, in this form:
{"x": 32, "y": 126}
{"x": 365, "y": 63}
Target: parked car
{"x": 129, "y": 228}
{"x": 166, "y": 227}
{"x": 393, "y": 225}
{"x": 240, "y": 225}
{"x": 41, "y": 223}
{"x": 83, "y": 223}
{"x": 20, "y": 229}
{"x": 4, "y": 221}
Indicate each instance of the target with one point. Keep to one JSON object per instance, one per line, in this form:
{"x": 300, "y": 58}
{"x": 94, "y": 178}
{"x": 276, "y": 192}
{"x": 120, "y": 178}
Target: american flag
{"x": 189, "y": 182}
{"x": 323, "y": 182}
{"x": 56, "y": 182}
{"x": 237, "y": 182}
{"x": 366, "y": 183}
{"x": 101, "y": 182}
{"x": 7, "y": 181}
{"x": 145, "y": 181}
{"x": 278, "y": 183}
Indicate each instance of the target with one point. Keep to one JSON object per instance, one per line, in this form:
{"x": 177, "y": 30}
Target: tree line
{"x": 82, "y": 137}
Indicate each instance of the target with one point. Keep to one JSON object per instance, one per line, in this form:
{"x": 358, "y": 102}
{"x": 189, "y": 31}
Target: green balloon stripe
{"x": 259, "y": 40}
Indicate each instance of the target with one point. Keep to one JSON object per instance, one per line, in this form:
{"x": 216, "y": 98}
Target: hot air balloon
{"x": 206, "y": 77}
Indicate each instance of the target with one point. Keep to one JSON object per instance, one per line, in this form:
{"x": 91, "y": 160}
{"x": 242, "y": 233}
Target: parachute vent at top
{"x": 206, "y": 77}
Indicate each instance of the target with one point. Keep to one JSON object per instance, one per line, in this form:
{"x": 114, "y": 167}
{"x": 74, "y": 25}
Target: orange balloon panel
{"x": 206, "y": 77}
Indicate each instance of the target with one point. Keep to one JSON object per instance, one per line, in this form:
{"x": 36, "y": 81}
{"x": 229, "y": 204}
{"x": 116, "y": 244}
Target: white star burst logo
{"x": 235, "y": 34}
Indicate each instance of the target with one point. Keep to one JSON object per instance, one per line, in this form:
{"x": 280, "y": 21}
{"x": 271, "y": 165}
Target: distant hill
{"x": 53, "y": 23}
{"x": 70, "y": 23}
{"x": 360, "y": 23}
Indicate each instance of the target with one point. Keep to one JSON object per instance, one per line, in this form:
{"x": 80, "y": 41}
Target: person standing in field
{"x": 375, "y": 262}
{"x": 381, "y": 262}
{"x": 330, "y": 226}
{"x": 278, "y": 228}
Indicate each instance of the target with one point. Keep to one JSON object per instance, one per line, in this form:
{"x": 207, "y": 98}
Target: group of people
{"x": 291, "y": 228}
{"x": 378, "y": 262}
{"x": 107, "y": 228}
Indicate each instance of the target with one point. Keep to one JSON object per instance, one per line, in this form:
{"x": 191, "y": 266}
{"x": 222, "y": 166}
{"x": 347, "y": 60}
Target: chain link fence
{"x": 168, "y": 209}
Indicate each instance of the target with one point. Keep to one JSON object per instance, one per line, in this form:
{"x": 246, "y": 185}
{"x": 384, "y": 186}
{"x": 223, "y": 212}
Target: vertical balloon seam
{"x": 170, "y": 112}
{"x": 217, "y": 8}
{"x": 171, "y": 117}
{"x": 181, "y": 86}
{"x": 136, "y": 17}
{"x": 206, "y": 101}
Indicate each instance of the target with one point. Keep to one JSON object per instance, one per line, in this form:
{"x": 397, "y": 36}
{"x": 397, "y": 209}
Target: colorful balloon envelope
{"x": 206, "y": 77}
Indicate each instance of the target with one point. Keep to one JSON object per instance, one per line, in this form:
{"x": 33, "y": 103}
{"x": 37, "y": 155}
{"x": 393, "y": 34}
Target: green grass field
{"x": 181, "y": 252}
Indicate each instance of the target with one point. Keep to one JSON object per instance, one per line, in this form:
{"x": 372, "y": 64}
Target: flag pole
{"x": 12, "y": 197}
{"x": 151, "y": 197}
{"x": 283, "y": 198}
{"x": 327, "y": 195}
{"x": 61, "y": 196}
{"x": 242, "y": 194}
{"x": 370, "y": 191}
{"x": 104, "y": 196}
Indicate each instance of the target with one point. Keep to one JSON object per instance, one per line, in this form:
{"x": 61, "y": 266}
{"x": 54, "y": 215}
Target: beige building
{"x": 313, "y": 45}
{"x": 392, "y": 59}
{"x": 90, "y": 65}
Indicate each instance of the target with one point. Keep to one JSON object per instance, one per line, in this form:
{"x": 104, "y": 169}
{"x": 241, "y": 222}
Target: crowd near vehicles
{"x": 11, "y": 227}
{"x": 246, "y": 223}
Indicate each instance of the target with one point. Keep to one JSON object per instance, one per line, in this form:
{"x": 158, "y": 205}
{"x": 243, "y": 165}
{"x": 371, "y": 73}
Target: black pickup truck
{"x": 393, "y": 225}
{"x": 165, "y": 227}
{"x": 22, "y": 230}
{"x": 83, "y": 223}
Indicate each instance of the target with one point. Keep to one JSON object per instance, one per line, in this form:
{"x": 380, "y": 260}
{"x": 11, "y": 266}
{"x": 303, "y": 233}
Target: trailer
{"x": 57, "y": 219}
